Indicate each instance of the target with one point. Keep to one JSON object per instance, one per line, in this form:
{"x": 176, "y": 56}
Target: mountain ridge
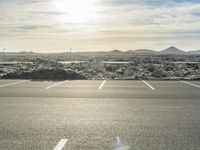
{"x": 172, "y": 50}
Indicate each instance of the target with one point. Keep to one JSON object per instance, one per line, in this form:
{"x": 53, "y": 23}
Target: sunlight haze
{"x": 98, "y": 25}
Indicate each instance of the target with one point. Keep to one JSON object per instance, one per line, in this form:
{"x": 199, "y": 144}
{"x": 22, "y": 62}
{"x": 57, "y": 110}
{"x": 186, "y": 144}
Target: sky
{"x": 98, "y": 25}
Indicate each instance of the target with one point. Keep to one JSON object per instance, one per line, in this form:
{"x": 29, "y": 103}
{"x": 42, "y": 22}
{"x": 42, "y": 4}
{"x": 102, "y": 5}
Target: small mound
{"x": 46, "y": 74}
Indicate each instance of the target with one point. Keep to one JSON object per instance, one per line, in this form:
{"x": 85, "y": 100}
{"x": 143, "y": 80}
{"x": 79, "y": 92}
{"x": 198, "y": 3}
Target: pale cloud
{"x": 122, "y": 24}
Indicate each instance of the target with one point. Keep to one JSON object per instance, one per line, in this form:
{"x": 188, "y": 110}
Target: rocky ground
{"x": 137, "y": 67}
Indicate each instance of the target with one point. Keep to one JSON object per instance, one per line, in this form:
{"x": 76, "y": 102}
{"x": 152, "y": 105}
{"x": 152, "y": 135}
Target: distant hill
{"x": 172, "y": 51}
{"x": 144, "y": 52}
{"x": 197, "y": 52}
{"x": 168, "y": 51}
{"x": 116, "y": 51}
{"x": 27, "y": 52}
{"x": 19, "y": 53}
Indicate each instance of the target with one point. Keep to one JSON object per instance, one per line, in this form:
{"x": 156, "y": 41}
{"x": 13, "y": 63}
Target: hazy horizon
{"x": 98, "y": 25}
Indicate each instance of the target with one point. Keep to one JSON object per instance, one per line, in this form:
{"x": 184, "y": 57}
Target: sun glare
{"x": 76, "y": 11}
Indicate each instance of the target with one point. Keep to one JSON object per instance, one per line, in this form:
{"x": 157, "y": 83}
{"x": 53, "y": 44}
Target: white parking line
{"x": 54, "y": 85}
{"x": 61, "y": 144}
{"x": 9, "y": 84}
{"x": 102, "y": 84}
{"x": 148, "y": 85}
{"x": 190, "y": 84}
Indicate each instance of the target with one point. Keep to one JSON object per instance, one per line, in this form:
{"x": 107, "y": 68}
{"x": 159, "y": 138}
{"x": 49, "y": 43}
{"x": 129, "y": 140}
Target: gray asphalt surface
{"x": 33, "y": 117}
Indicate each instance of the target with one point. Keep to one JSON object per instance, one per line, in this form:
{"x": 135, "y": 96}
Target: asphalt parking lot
{"x": 97, "y": 114}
